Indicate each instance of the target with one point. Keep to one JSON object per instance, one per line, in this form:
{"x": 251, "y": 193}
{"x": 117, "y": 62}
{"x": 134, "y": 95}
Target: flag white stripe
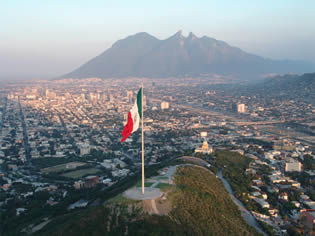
{"x": 135, "y": 117}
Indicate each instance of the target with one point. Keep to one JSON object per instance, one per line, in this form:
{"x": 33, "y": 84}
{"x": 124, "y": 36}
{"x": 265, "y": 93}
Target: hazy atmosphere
{"x": 157, "y": 118}
{"x": 41, "y": 39}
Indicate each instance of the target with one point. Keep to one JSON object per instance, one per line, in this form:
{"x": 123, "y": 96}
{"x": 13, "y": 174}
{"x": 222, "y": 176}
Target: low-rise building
{"x": 293, "y": 166}
{"x": 262, "y": 202}
{"x": 307, "y": 218}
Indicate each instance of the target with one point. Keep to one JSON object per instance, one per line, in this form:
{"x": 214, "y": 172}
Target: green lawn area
{"x": 121, "y": 200}
{"x": 80, "y": 173}
{"x": 164, "y": 186}
{"x": 50, "y": 161}
{"x": 62, "y": 167}
{"x": 146, "y": 184}
{"x": 163, "y": 177}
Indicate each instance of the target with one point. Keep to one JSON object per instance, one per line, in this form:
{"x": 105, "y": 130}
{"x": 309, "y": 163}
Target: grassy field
{"x": 62, "y": 167}
{"x": 146, "y": 184}
{"x": 164, "y": 186}
{"x": 81, "y": 173}
{"x": 121, "y": 200}
{"x": 163, "y": 178}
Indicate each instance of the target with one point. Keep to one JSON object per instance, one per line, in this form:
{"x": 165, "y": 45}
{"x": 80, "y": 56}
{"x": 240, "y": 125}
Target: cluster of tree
{"x": 308, "y": 162}
{"x": 233, "y": 166}
{"x": 202, "y": 206}
{"x": 304, "y": 178}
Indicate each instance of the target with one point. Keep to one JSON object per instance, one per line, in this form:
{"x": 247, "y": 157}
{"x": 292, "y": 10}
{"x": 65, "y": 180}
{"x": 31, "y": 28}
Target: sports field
{"x": 62, "y": 167}
{"x": 80, "y": 173}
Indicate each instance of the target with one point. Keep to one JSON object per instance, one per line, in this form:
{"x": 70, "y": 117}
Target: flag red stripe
{"x": 127, "y": 129}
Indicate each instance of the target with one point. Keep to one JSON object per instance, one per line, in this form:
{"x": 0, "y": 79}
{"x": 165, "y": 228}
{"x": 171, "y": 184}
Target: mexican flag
{"x": 134, "y": 117}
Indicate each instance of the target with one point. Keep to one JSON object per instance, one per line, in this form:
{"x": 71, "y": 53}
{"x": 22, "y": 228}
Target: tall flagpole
{"x": 142, "y": 139}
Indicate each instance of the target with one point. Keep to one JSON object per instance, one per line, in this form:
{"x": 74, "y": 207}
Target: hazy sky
{"x": 42, "y": 38}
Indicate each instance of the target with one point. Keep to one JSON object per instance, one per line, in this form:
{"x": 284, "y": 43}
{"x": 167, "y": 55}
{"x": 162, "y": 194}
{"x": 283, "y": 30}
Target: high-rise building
{"x": 110, "y": 97}
{"x": 238, "y": 107}
{"x": 82, "y": 96}
{"x": 241, "y": 108}
{"x": 144, "y": 101}
{"x": 104, "y": 97}
{"x": 130, "y": 96}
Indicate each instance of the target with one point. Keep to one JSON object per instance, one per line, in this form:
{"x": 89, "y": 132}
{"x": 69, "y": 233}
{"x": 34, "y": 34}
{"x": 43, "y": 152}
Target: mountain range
{"x": 143, "y": 55}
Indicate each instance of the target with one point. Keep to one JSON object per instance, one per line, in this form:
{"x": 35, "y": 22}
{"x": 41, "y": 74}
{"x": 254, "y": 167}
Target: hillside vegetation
{"x": 233, "y": 167}
{"x": 200, "y": 206}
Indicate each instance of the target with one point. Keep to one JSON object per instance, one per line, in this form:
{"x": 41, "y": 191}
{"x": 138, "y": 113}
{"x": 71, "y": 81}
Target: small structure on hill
{"x": 205, "y": 149}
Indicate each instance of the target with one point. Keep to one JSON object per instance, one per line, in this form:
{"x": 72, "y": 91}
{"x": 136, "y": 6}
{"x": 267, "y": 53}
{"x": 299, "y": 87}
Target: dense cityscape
{"x": 157, "y": 118}
{"x": 61, "y": 139}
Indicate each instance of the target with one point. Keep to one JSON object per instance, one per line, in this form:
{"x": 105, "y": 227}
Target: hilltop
{"x": 198, "y": 205}
{"x": 143, "y": 55}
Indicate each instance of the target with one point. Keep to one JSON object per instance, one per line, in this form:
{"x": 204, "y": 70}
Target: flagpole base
{"x": 136, "y": 193}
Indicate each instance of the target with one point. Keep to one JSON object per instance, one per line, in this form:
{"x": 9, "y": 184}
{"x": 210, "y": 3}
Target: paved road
{"x": 3, "y": 114}
{"x": 250, "y": 219}
{"x": 25, "y": 136}
{"x": 196, "y": 160}
{"x": 3, "y": 117}
{"x": 71, "y": 139}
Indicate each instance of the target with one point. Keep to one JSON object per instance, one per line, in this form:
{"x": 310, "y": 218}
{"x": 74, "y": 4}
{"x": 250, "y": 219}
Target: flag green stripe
{"x": 139, "y": 101}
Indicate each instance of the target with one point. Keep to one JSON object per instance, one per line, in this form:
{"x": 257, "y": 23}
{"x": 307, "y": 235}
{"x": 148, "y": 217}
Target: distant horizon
{"x": 49, "y": 39}
{"x": 48, "y": 77}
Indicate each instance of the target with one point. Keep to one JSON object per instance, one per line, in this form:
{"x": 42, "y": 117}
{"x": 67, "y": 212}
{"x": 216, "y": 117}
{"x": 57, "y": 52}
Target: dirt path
{"x": 155, "y": 210}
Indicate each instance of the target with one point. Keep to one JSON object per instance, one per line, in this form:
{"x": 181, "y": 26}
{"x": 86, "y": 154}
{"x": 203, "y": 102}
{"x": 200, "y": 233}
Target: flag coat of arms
{"x": 134, "y": 117}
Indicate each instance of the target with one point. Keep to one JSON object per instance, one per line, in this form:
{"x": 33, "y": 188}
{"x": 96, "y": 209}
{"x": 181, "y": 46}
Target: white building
{"x": 203, "y": 134}
{"x": 293, "y": 166}
{"x": 238, "y": 107}
{"x": 84, "y": 149}
{"x": 241, "y": 108}
{"x": 204, "y": 148}
{"x": 165, "y": 105}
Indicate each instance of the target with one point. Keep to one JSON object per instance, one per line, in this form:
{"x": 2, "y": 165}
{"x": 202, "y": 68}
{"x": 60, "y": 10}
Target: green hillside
{"x": 200, "y": 206}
